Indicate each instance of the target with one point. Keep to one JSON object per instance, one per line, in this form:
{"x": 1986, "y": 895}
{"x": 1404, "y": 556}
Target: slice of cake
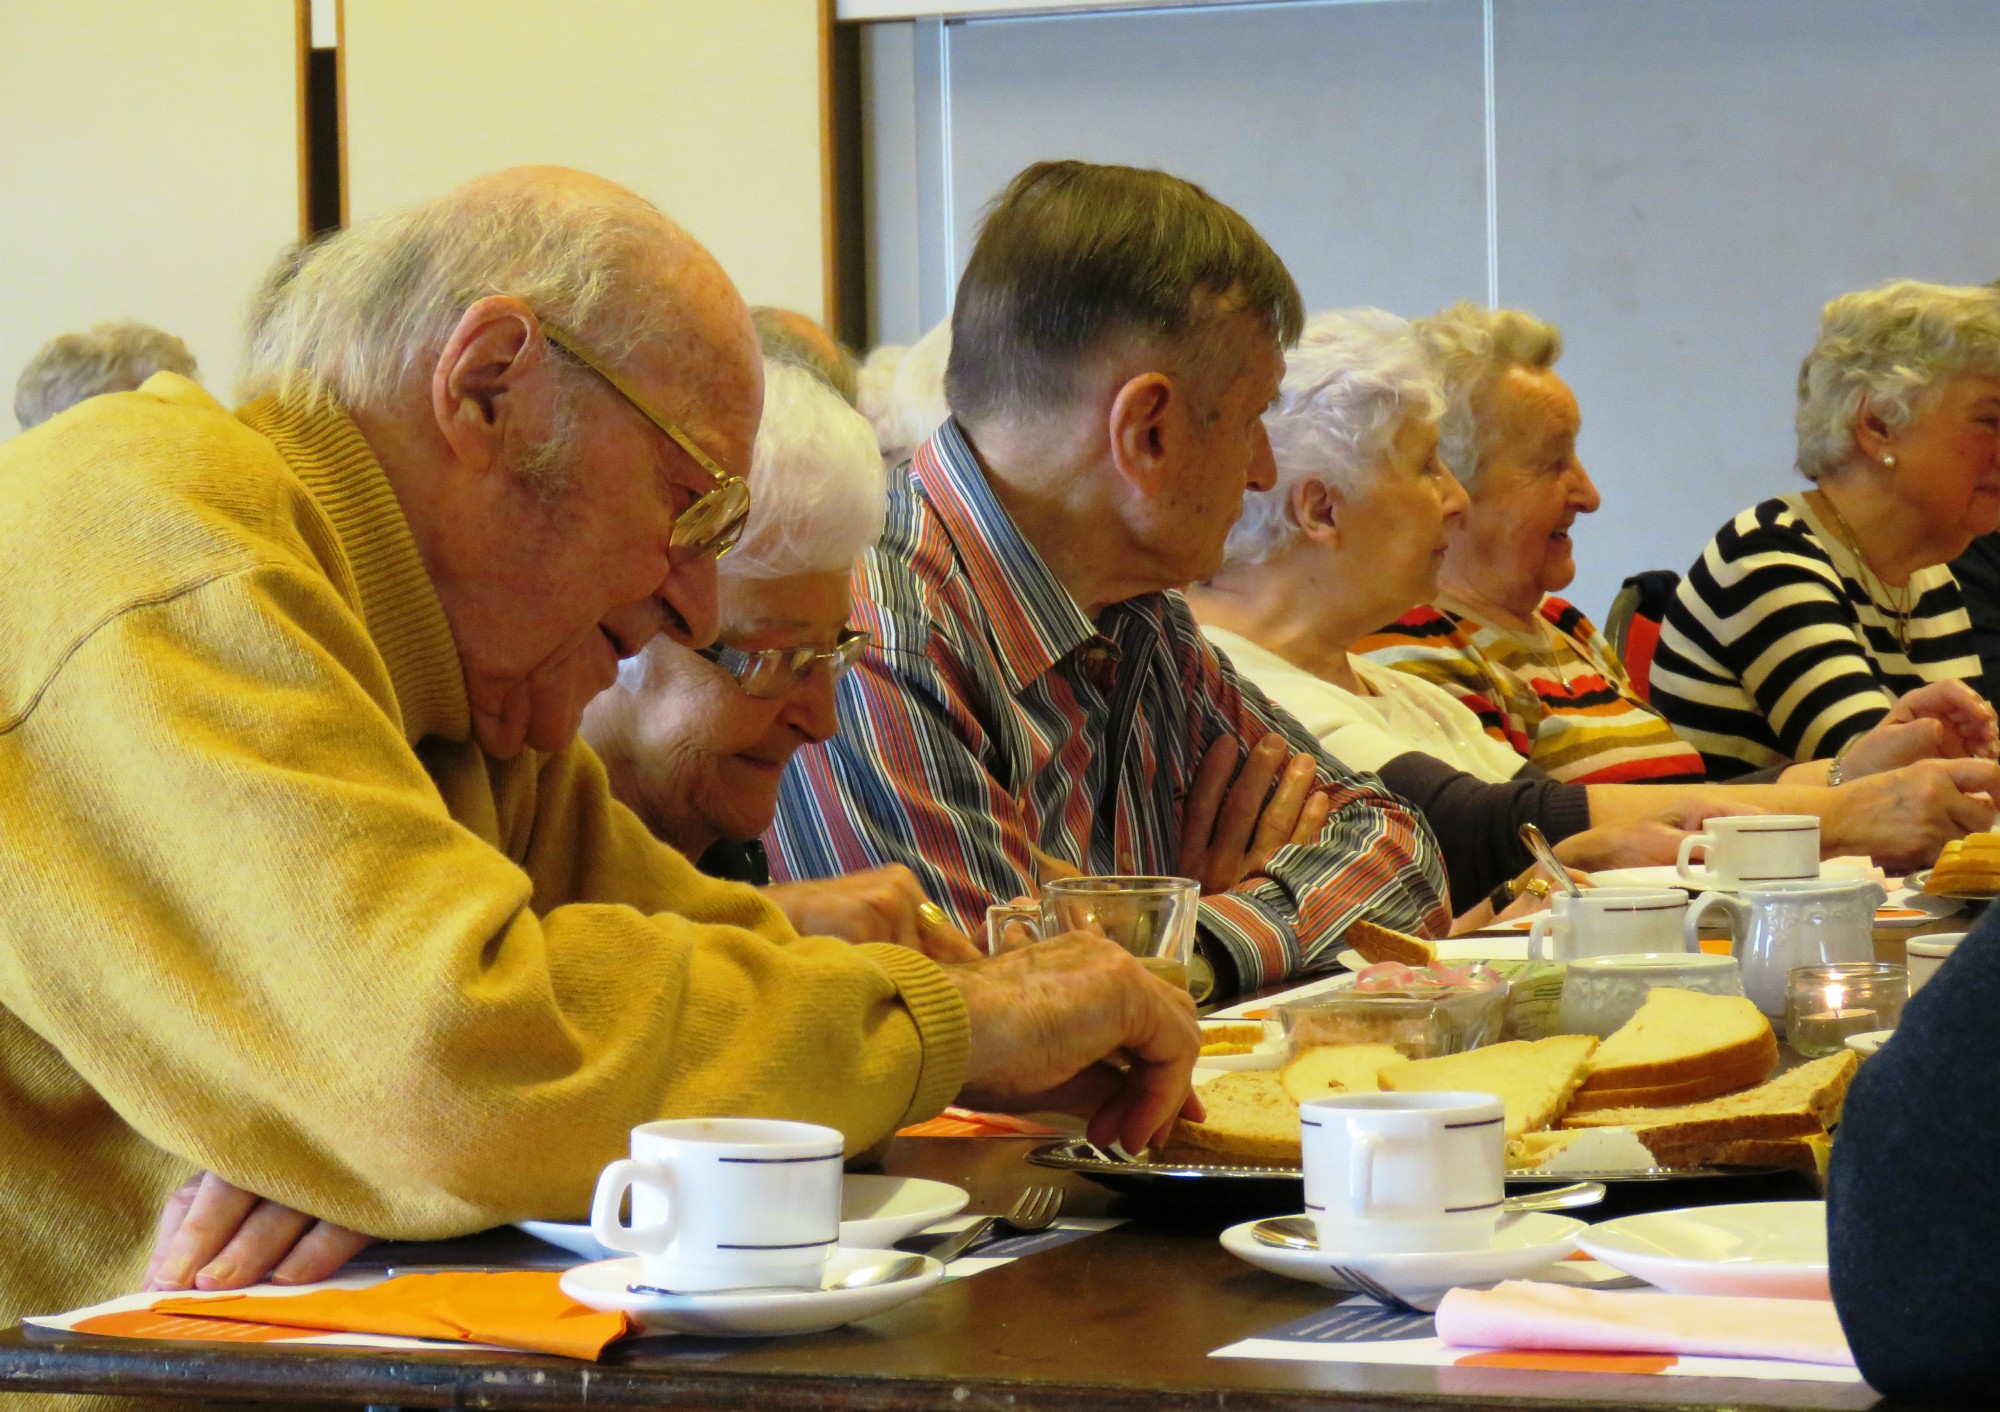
{"x": 1802, "y": 1103}
{"x": 1685, "y": 1038}
{"x": 1337, "y": 1068}
{"x": 1381, "y": 944}
{"x": 1249, "y": 1114}
{"x": 1534, "y": 1078}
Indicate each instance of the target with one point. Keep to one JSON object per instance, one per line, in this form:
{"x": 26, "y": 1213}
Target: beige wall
{"x": 710, "y": 108}
{"x": 148, "y": 169}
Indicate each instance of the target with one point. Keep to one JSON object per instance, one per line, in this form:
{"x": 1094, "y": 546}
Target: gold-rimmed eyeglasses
{"x": 714, "y": 522}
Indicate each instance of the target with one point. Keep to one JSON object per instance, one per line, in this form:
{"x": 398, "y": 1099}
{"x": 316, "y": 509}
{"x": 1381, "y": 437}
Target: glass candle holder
{"x": 1826, "y": 1004}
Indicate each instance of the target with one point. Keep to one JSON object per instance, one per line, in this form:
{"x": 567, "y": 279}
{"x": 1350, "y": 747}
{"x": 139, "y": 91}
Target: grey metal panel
{"x": 1351, "y": 135}
{"x": 1683, "y": 183}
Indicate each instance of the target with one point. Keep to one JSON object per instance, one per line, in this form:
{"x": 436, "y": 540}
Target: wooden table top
{"x": 1122, "y": 1320}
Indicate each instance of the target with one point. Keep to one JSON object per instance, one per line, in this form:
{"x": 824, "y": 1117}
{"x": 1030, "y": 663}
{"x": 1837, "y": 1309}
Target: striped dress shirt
{"x": 1558, "y": 694}
{"x": 978, "y": 723}
{"x": 1774, "y": 649}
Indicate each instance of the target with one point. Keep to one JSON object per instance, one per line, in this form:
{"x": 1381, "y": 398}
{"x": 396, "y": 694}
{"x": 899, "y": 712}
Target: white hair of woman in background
{"x": 695, "y": 741}
{"x": 113, "y": 357}
{"x": 1805, "y": 615}
{"x": 873, "y": 383}
{"x": 915, "y": 405}
{"x": 1352, "y": 534}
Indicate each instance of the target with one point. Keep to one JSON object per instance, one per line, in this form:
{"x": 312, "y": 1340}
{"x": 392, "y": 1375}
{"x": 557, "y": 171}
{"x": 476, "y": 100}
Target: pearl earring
{"x": 1889, "y": 463}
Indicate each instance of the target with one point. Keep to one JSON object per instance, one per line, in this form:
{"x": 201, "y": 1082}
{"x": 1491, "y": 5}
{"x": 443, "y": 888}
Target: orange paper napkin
{"x": 514, "y": 1309}
{"x": 963, "y": 1122}
{"x": 1527, "y": 1314}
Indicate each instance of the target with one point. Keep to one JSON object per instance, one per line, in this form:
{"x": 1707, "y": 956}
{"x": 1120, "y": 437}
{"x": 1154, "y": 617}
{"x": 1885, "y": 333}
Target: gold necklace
{"x": 1901, "y": 606}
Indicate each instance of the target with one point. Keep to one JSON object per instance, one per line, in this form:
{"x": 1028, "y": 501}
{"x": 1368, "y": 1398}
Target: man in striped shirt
{"x": 1033, "y": 683}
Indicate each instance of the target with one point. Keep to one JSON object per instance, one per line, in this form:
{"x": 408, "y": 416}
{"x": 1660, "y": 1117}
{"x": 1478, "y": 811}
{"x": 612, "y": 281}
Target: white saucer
{"x": 1772, "y": 1248}
{"x": 747, "y": 1314}
{"x": 875, "y": 1212}
{"x": 1866, "y": 1044}
{"x": 1666, "y": 875}
{"x": 1522, "y": 1245}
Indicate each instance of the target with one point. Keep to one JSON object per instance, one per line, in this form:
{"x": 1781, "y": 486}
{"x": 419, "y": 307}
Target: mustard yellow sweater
{"x": 264, "y": 909}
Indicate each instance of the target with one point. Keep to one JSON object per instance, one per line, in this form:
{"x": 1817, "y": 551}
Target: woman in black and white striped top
{"x": 1809, "y": 614}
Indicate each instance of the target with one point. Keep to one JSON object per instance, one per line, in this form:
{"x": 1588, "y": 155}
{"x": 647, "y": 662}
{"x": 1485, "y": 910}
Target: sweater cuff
{"x": 1566, "y": 811}
{"x": 944, "y": 1032}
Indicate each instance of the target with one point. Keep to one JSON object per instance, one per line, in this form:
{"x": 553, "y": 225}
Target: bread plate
{"x": 1918, "y": 885}
{"x": 1182, "y": 1173}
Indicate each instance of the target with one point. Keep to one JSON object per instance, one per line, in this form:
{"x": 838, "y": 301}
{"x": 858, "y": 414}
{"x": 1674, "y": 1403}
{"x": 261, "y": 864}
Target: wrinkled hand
{"x": 1636, "y": 843}
{"x": 1904, "y": 818}
{"x": 881, "y": 904}
{"x": 1939, "y": 720}
{"x": 212, "y": 1235}
{"x": 1228, "y": 832}
{"x": 1077, "y": 1025}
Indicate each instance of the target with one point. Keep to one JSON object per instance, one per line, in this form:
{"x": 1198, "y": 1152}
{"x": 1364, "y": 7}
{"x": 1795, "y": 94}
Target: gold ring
{"x": 932, "y": 916}
{"x": 1538, "y": 887}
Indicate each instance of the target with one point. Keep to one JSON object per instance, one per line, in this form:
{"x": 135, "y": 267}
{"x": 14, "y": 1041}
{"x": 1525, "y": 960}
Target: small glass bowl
{"x": 1420, "y": 1026}
{"x": 1826, "y": 1004}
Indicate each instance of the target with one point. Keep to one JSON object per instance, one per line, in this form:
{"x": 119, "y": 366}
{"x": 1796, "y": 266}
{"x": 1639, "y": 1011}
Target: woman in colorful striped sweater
{"x": 1808, "y": 614}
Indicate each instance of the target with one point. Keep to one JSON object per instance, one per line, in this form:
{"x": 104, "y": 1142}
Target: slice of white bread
{"x": 1381, "y": 944}
{"x": 1801, "y": 1103}
{"x": 1249, "y": 1114}
{"x": 1533, "y": 1077}
{"x": 1337, "y": 1068}
{"x": 1683, "y": 1036}
{"x": 1710, "y": 1085}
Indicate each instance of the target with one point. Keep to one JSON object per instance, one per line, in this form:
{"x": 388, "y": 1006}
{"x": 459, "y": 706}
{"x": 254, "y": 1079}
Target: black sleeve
{"x": 1978, "y": 573}
{"x": 1478, "y": 824}
{"x": 1914, "y": 1192}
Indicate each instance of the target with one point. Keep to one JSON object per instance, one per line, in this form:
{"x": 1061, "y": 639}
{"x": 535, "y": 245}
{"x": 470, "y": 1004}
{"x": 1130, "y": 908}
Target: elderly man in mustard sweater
{"x": 307, "y": 880}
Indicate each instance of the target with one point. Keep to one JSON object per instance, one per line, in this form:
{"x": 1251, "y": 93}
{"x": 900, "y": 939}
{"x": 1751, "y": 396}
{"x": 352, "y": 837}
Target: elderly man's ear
{"x": 1147, "y": 417}
{"x": 491, "y": 358}
{"x": 1316, "y": 509}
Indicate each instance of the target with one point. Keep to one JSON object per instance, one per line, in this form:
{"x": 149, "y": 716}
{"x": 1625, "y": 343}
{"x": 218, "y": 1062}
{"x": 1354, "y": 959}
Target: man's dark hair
{"x": 1073, "y": 256}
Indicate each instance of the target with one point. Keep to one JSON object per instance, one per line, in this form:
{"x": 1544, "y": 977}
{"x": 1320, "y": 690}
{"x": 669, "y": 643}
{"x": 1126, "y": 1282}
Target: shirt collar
{"x": 1033, "y": 620}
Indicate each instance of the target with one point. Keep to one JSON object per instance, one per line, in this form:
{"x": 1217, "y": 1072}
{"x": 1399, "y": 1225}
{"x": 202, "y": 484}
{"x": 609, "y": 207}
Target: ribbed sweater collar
{"x": 326, "y": 451}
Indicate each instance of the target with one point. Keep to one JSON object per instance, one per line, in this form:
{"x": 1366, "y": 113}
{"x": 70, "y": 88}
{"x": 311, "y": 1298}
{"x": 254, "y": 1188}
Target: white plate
{"x": 1666, "y": 875}
{"x": 1522, "y": 1245}
{"x": 1772, "y": 1248}
{"x": 1866, "y": 1044}
{"x": 747, "y": 1314}
{"x": 1453, "y": 951}
{"x": 875, "y": 1212}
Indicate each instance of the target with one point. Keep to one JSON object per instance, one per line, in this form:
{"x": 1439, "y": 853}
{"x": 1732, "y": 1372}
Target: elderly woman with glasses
{"x": 695, "y": 741}
{"x": 1353, "y": 534}
{"x": 1809, "y": 613}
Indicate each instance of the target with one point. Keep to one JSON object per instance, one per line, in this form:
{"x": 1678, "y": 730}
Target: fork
{"x": 1034, "y": 1210}
{"x": 1367, "y": 1284}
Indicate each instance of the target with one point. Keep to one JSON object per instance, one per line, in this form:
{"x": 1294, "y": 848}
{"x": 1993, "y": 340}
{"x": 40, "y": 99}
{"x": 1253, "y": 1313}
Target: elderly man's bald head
{"x": 363, "y": 317}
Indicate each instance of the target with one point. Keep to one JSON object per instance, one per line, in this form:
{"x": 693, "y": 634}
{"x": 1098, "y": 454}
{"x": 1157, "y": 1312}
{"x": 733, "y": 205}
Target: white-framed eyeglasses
{"x": 776, "y": 671}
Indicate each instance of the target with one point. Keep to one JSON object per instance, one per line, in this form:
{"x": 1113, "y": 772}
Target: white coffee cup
{"x": 725, "y": 1203}
{"x": 1600, "y": 993}
{"x": 1609, "y": 921}
{"x": 1927, "y": 953}
{"x": 1748, "y": 849}
{"x": 1404, "y": 1171}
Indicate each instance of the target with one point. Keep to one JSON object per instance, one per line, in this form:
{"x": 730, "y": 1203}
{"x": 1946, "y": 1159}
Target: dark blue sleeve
{"x": 1914, "y": 1191}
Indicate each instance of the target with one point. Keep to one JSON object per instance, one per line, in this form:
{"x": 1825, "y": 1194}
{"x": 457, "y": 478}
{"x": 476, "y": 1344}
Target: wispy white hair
{"x": 1356, "y": 378}
{"x": 876, "y": 378}
{"x": 818, "y": 492}
{"x": 1894, "y": 345}
{"x": 361, "y": 316}
{"x": 916, "y": 404}
{"x": 1472, "y": 348}
{"x": 114, "y": 357}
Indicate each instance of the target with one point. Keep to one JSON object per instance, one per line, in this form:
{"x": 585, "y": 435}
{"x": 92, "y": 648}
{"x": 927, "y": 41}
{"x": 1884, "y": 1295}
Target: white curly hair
{"x": 1472, "y": 348}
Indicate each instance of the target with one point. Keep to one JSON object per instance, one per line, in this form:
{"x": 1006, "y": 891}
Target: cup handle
{"x": 1361, "y": 1175}
{"x": 612, "y": 1184}
{"x": 1541, "y": 930}
{"x": 1691, "y": 927}
{"x": 1688, "y": 846}
{"x": 1001, "y": 917}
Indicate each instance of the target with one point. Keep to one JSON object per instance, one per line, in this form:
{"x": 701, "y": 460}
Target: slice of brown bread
{"x": 1695, "y": 1090}
{"x": 1797, "y": 1104}
{"x": 1680, "y": 1036}
{"x": 1381, "y": 944}
{"x": 1249, "y": 1114}
{"x": 1533, "y": 1077}
{"x": 1808, "y": 1153}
